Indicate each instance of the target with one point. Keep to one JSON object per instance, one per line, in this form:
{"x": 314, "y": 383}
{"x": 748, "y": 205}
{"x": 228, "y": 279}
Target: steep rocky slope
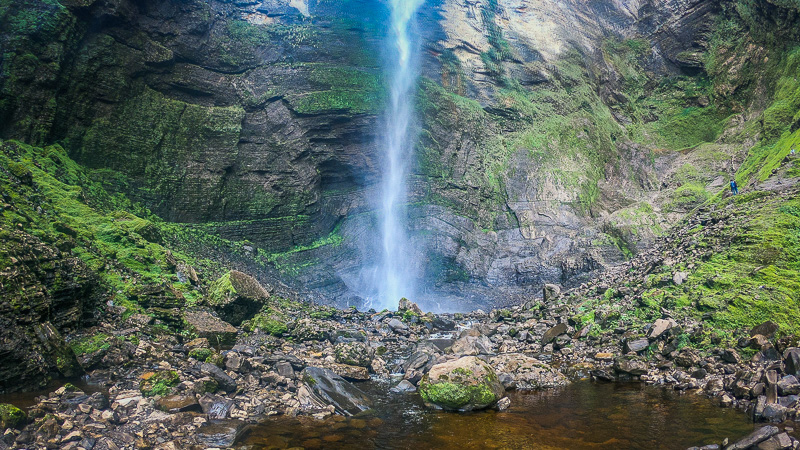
{"x": 256, "y": 121}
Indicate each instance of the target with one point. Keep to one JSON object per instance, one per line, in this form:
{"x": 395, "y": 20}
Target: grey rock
{"x": 636, "y": 345}
{"x": 215, "y": 406}
{"x": 791, "y": 359}
{"x": 404, "y": 386}
{"x": 754, "y": 438}
{"x": 331, "y": 389}
{"x": 225, "y": 382}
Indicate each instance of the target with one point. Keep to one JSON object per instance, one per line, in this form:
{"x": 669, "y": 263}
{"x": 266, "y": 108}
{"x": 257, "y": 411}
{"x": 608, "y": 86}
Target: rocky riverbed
{"x": 171, "y": 390}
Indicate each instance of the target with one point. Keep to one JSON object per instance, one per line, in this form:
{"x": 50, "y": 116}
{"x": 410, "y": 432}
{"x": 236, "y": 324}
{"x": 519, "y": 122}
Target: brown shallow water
{"x": 583, "y": 415}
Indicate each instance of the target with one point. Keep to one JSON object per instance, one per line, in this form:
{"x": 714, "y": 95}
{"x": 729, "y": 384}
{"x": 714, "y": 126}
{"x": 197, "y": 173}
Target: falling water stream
{"x": 396, "y": 274}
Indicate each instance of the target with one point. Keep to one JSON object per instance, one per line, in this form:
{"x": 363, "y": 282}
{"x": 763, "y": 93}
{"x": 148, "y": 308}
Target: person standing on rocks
{"x": 734, "y": 187}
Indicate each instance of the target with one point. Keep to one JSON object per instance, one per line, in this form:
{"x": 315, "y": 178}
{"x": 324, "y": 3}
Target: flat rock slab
{"x": 331, "y": 389}
{"x": 218, "y": 332}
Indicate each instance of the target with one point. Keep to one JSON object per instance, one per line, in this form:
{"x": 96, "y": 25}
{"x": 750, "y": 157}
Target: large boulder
{"x": 464, "y": 384}
{"x": 527, "y": 372}
{"x": 236, "y": 297}
{"x": 205, "y": 325}
{"x": 326, "y": 388}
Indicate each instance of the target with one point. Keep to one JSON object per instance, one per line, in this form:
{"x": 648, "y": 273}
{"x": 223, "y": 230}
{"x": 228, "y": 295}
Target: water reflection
{"x": 581, "y": 416}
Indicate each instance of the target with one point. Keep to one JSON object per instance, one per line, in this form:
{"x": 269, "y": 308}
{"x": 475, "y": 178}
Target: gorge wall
{"x": 555, "y": 138}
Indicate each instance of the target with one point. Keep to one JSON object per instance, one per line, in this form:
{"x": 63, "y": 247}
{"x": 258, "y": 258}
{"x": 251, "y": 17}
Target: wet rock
{"x": 353, "y": 354}
{"x": 503, "y": 404}
{"x": 224, "y": 381}
{"x": 53, "y": 345}
{"x": 221, "y": 434}
{"x": 178, "y": 403}
{"x": 215, "y": 406}
{"x": 527, "y": 372}
{"x": 443, "y": 324}
{"x": 551, "y": 292}
{"x": 205, "y": 325}
{"x": 331, "y": 389}
{"x": 774, "y": 412}
{"x": 754, "y": 438}
{"x": 553, "y": 333}
{"x": 464, "y": 384}
{"x": 404, "y": 386}
{"x": 630, "y": 365}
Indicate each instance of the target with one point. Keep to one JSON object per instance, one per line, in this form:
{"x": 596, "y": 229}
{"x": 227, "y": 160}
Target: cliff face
{"x": 547, "y": 129}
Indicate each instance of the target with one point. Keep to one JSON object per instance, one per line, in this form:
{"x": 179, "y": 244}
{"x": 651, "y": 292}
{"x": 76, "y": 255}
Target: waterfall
{"x": 396, "y": 272}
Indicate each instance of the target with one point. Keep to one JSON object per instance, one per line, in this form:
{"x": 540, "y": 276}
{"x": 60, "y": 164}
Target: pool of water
{"x": 583, "y": 415}
{"x": 27, "y": 399}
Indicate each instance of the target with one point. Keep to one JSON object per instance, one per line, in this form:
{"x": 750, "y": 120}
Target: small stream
{"x": 583, "y": 415}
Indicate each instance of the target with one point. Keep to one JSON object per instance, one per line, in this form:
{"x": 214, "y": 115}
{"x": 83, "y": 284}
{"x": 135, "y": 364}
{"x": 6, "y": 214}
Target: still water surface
{"x": 583, "y": 415}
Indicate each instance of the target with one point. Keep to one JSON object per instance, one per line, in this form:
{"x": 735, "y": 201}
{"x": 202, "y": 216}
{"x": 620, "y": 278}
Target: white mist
{"x": 396, "y": 275}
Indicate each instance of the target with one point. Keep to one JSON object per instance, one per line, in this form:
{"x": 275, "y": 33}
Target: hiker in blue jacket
{"x": 734, "y": 187}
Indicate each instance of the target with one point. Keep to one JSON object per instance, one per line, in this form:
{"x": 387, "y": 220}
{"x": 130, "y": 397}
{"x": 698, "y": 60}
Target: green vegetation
{"x": 159, "y": 383}
{"x": 201, "y": 354}
{"x": 90, "y": 344}
{"x": 56, "y": 200}
{"x": 11, "y": 416}
{"x": 451, "y": 395}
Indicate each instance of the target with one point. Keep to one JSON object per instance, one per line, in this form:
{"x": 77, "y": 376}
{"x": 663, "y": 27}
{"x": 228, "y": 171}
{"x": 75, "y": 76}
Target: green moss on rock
{"x": 11, "y": 416}
{"x": 159, "y": 383}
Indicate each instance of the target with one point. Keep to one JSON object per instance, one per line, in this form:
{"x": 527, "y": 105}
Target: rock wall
{"x": 541, "y": 125}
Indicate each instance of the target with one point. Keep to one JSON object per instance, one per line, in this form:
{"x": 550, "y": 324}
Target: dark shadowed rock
{"x": 766, "y": 329}
{"x": 791, "y": 358}
{"x": 224, "y": 381}
{"x": 331, "y": 389}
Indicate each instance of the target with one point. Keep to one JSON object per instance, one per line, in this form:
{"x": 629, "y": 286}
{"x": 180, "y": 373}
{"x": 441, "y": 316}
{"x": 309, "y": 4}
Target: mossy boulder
{"x": 158, "y": 383}
{"x": 11, "y": 416}
{"x": 464, "y": 384}
{"x": 237, "y": 297}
